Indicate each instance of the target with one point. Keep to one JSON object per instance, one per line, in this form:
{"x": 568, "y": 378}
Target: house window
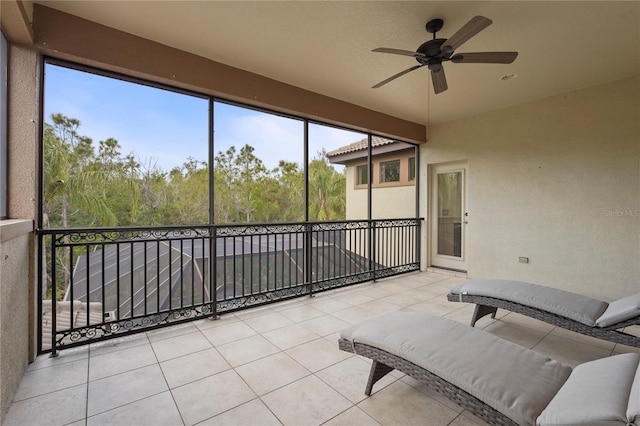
{"x": 390, "y": 171}
{"x": 3, "y": 126}
{"x": 412, "y": 168}
{"x": 362, "y": 175}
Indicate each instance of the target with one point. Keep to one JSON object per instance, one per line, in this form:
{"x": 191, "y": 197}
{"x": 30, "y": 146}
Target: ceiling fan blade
{"x": 468, "y": 30}
{"x": 485, "y": 57}
{"x": 393, "y": 77}
{"x": 398, "y": 52}
{"x": 439, "y": 81}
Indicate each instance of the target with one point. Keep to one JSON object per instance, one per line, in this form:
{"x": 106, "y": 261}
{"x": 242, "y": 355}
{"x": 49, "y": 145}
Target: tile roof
{"x": 376, "y": 141}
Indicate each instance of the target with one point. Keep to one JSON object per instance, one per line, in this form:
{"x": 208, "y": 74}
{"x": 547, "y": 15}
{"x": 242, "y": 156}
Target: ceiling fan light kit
{"x": 438, "y": 50}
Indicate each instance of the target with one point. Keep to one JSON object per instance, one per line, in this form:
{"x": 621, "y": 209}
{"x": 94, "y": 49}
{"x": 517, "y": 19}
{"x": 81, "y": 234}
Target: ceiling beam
{"x": 69, "y": 37}
{"x": 15, "y": 22}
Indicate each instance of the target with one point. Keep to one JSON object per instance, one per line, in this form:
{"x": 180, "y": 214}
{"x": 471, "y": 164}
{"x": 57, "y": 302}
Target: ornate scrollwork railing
{"x": 109, "y": 282}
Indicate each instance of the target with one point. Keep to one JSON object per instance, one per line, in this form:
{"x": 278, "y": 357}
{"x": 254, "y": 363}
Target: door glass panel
{"x": 450, "y": 214}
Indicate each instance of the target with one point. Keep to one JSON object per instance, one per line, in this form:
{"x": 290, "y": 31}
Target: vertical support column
{"x": 373, "y": 249}
{"x": 369, "y": 205}
{"x": 211, "y": 161}
{"x": 54, "y": 298}
{"x": 23, "y": 127}
{"x": 213, "y": 291}
{"x": 417, "y": 228}
{"x": 308, "y": 257}
{"x": 308, "y": 237}
{"x": 41, "y": 279}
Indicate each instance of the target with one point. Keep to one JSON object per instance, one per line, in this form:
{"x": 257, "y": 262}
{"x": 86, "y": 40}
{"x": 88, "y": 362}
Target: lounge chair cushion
{"x": 633, "y": 411}
{"x": 569, "y": 305}
{"x": 597, "y": 393}
{"x": 620, "y": 310}
{"x": 511, "y": 379}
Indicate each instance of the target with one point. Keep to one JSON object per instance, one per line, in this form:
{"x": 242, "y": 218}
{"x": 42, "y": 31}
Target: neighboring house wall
{"x": 556, "y": 180}
{"x": 389, "y": 203}
{"x": 390, "y": 200}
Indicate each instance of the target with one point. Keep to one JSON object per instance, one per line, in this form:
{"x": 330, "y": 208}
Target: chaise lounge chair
{"x": 564, "y": 309}
{"x": 498, "y": 381}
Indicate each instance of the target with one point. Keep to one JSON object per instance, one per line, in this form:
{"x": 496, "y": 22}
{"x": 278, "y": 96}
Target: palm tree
{"x": 327, "y": 197}
{"x": 68, "y": 181}
{"x": 70, "y": 186}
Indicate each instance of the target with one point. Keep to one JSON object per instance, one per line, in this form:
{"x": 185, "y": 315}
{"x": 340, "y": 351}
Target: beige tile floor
{"x": 276, "y": 365}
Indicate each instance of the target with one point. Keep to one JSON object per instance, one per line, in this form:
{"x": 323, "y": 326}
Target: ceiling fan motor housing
{"x": 431, "y": 48}
{"x": 433, "y": 55}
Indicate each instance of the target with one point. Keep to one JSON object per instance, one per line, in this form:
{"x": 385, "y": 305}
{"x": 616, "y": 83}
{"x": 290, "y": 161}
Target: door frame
{"x": 434, "y": 259}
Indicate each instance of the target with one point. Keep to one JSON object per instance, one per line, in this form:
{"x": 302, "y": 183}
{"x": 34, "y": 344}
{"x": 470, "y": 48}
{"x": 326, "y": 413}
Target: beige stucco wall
{"x": 388, "y": 203}
{"x": 22, "y": 132}
{"x": 557, "y": 181}
{"x": 17, "y": 247}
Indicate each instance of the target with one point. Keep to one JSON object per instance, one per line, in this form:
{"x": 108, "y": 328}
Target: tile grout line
{"x": 86, "y": 403}
{"x": 165, "y": 377}
{"x": 461, "y": 417}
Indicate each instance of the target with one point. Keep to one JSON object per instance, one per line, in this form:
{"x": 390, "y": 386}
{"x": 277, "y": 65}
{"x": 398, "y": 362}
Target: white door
{"x": 448, "y": 216}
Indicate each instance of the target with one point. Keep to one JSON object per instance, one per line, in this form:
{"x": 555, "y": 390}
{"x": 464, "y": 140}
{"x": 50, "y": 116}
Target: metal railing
{"x": 107, "y": 282}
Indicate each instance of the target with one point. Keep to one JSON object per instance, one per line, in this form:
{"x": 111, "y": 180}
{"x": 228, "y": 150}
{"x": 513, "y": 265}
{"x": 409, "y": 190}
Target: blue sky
{"x": 164, "y": 128}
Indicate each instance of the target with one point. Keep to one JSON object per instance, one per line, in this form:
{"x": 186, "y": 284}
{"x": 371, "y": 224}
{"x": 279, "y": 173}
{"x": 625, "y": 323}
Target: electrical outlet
{"x": 523, "y": 259}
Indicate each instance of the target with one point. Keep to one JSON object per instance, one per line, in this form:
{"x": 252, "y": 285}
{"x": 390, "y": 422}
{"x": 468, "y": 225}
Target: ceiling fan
{"x": 438, "y": 50}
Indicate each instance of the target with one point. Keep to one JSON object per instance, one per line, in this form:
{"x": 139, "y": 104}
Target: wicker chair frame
{"x": 489, "y": 306}
{"x": 385, "y": 362}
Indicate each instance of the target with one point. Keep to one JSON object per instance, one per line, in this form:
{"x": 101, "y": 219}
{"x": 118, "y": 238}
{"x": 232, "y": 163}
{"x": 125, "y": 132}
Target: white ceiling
{"x": 325, "y": 46}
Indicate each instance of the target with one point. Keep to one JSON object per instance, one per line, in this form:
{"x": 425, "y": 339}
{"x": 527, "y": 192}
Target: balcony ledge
{"x": 12, "y": 228}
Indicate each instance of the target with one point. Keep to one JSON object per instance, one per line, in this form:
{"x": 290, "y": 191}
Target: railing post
{"x": 308, "y": 257}
{"x": 54, "y": 352}
{"x": 213, "y": 265}
{"x": 374, "y": 250}
{"x": 418, "y": 231}
{"x": 41, "y": 280}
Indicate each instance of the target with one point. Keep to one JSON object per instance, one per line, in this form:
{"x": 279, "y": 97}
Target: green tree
{"x": 122, "y": 193}
{"x": 71, "y": 186}
{"x": 327, "y": 190}
{"x": 189, "y": 193}
{"x": 249, "y": 184}
{"x": 82, "y": 188}
{"x": 225, "y": 174}
{"x": 287, "y": 201}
